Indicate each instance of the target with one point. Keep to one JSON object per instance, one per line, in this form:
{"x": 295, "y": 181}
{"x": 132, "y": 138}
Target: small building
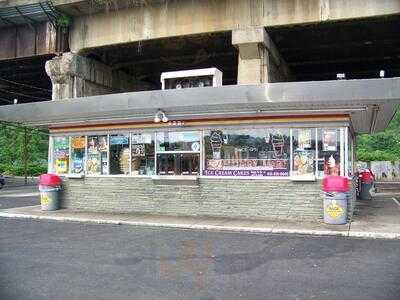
{"x": 247, "y": 151}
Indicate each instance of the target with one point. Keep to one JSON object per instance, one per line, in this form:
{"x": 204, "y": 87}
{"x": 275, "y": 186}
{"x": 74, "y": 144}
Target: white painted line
{"x": 396, "y": 201}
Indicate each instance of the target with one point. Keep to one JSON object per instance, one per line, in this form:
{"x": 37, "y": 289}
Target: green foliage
{"x": 13, "y": 154}
{"x": 381, "y": 146}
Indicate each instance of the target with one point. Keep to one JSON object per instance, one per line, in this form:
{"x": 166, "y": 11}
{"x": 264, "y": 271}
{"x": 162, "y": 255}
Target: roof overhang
{"x": 371, "y": 104}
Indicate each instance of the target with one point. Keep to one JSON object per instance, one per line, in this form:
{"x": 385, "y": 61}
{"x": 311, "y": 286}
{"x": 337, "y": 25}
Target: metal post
{"x": 25, "y": 157}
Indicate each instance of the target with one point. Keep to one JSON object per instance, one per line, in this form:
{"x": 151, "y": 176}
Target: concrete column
{"x": 75, "y": 76}
{"x": 259, "y": 60}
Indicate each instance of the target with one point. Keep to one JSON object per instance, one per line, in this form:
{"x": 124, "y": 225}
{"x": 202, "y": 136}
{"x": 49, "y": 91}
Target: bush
{"x": 19, "y": 170}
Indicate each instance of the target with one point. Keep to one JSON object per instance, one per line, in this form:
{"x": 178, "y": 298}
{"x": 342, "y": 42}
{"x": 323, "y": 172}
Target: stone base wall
{"x": 256, "y": 199}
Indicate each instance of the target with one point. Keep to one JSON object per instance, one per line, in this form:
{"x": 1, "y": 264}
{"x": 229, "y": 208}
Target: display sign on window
{"x": 329, "y": 140}
{"x": 248, "y": 152}
{"x": 97, "y": 160}
{"x": 77, "y": 154}
{"x": 61, "y": 154}
{"x": 304, "y": 138}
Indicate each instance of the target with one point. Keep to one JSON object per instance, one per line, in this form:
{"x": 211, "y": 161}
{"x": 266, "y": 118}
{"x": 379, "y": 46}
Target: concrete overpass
{"x": 129, "y": 43}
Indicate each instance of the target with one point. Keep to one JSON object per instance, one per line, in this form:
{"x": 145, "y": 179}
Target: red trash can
{"x": 335, "y": 190}
{"x": 366, "y": 182}
{"x": 49, "y": 187}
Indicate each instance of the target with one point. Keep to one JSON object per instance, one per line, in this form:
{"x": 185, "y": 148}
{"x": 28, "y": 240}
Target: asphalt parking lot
{"x": 59, "y": 260}
{"x": 17, "y": 196}
{"x": 42, "y": 259}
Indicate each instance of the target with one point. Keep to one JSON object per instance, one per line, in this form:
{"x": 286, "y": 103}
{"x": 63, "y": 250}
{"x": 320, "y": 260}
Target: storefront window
{"x": 142, "y": 149}
{"x": 119, "y": 154}
{"x": 247, "y": 152}
{"x": 303, "y": 152}
{"x": 60, "y": 155}
{"x": 178, "y": 153}
{"x": 97, "y": 156}
{"x": 328, "y": 152}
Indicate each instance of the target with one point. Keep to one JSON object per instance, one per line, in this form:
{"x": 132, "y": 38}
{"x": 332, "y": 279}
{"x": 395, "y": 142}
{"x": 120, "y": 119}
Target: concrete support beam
{"x": 161, "y": 19}
{"x": 75, "y": 76}
{"x": 259, "y": 59}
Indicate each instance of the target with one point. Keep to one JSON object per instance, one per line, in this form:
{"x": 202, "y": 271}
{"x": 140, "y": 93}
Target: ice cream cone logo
{"x": 334, "y": 210}
{"x": 277, "y": 145}
{"x": 216, "y": 143}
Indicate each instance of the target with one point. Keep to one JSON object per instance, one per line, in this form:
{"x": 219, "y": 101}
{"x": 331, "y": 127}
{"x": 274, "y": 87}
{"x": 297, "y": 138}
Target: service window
{"x": 97, "y": 155}
{"x": 303, "y": 152}
{"x": 247, "y": 152}
{"x": 60, "y": 154}
{"x": 119, "y": 154}
{"x": 178, "y": 153}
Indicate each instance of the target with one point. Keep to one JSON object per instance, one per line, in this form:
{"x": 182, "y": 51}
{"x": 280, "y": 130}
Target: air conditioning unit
{"x": 191, "y": 78}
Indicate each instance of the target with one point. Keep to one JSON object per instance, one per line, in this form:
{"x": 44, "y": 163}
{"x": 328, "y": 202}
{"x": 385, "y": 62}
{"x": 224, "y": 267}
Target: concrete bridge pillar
{"x": 259, "y": 59}
{"x": 73, "y": 76}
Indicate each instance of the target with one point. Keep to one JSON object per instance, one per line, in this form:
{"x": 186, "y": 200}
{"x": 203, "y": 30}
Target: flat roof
{"x": 371, "y": 103}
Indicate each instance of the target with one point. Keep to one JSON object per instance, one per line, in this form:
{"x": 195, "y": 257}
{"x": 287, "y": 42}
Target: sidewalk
{"x": 379, "y": 218}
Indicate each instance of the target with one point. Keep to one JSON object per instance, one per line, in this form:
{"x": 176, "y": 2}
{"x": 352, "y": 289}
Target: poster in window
{"x": 61, "y": 154}
{"x": 303, "y": 162}
{"x": 216, "y": 141}
{"x": 138, "y": 150}
{"x": 329, "y": 140}
{"x": 119, "y": 140}
{"x": 77, "y": 154}
{"x": 78, "y": 143}
{"x": 304, "y": 138}
{"x": 141, "y": 138}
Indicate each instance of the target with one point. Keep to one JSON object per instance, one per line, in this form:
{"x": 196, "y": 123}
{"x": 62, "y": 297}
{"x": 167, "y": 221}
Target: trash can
{"x": 335, "y": 192}
{"x": 366, "y": 180}
{"x": 49, "y": 187}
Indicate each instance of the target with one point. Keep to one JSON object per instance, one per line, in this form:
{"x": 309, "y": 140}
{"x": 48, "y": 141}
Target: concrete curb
{"x": 357, "y": 234}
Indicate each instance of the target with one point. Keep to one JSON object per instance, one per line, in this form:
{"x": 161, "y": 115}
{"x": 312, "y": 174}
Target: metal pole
{"x": 25, "y": 157}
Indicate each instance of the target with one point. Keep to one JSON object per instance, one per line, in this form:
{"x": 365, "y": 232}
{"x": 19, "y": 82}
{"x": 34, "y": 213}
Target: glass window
{"x": 119, "y": 154}
{"x": 328, "y": 152}
{"x": 97, "y": 155}
{"x": 178, "y": 141}
{"x": 178, "y": 164}
{"x": 178, "y": 153}
{"x": 247, "y": 152}
{"x": 303, "y": 152}
{"x": 60, "y": 155}
{"x": 142, "y": 149}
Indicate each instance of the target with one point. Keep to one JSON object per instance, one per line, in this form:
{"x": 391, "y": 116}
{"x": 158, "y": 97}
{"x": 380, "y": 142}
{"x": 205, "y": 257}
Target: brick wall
{"x": 261, "y": 199}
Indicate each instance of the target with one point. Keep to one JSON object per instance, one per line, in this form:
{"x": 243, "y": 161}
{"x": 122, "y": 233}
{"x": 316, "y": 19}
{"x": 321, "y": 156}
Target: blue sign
{"x": 119, "y": 140}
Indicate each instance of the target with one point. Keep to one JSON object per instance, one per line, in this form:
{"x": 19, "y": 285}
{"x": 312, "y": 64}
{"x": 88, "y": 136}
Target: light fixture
{"x": 163, "y": 118}
{"x": 382, "y": 73}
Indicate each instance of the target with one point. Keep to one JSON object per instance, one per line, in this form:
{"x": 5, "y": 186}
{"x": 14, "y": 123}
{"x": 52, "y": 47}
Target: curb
{"x": 356, "y": 234}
